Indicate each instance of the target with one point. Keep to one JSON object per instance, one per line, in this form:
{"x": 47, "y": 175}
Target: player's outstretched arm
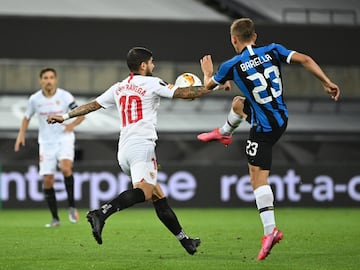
{"x": 191, "y": 92}
{"x": 81, "y": 110}
{"x": 330, "y": 88}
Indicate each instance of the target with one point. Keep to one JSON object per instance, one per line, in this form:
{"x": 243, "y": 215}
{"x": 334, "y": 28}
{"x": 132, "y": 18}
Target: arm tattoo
{"x": 191, "y": 92}
{"x": 84, "y": 109}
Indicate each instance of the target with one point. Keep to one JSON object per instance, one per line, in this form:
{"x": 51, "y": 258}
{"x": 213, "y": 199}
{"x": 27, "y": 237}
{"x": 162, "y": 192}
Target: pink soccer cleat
{"x": 267, "y": 243}
{"x": 215, "y": 135}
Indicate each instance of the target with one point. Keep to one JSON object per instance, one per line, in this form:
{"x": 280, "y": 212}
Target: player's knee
{"x": 66, "y": 172}
{"x": 66, "y": 169}
{"x": 147, "y": 189}
{"x": 147, "y": 193}
{"x": 237, "y": 100}
{"x": 238, "y": 105}
{"x": 48, "y": 181}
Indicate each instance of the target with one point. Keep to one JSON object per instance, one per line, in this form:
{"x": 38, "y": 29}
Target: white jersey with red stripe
{"x": 137, "y": 99}
{"x": 58, "y": 104}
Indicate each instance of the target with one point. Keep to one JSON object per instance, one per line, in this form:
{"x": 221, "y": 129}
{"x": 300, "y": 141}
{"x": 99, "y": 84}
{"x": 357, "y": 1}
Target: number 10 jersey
{"x": 137, "y": 99}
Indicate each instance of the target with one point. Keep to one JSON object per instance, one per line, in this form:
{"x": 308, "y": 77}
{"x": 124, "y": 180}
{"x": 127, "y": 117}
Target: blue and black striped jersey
{"x": 257, "y": 73}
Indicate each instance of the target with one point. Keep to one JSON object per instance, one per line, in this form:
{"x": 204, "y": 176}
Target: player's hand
{"x": 55, "y": 119}
{"x": 227, "y": 86}
{"x": 69, "y": 128}
{"x": 223, "y": 87}
{"x": 20, "y": 141}
{"x": 207, "y": 65}
{"x": 333, "y": 90}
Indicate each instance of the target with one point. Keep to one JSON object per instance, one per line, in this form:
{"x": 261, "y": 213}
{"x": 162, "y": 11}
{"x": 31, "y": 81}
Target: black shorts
{"x": 259, "y": 146}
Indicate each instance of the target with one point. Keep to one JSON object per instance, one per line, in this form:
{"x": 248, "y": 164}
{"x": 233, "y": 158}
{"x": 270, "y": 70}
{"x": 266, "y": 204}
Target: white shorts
{"x": 138, "y": 160}
{"x": 51, "y": 153}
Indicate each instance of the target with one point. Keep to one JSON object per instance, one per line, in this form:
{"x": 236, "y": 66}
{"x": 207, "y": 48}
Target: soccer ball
{"x": 188, "y": 79}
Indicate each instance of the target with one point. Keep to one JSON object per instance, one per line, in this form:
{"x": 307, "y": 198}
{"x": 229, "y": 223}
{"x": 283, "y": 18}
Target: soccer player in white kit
{"x": 137, "y": 99}
{"x": 56, "y": 142}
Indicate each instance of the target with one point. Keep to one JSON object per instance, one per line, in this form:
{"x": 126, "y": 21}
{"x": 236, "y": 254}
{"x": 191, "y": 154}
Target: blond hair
{"x": 243, "y": 29}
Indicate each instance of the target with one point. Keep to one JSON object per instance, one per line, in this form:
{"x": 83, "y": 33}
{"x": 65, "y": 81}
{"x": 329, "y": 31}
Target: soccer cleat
{"x": 215, "y": 135}
{"x": 190, "y": 244}
{"x": 53, "y": 223}
{"x": 73, "y": 215}
{"x": 267, "y": 243}
{"x": 97, "y": 224}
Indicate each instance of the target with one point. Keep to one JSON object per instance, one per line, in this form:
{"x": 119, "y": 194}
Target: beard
{"x": 148, "y": 72}
{"x": 49, "y": 87}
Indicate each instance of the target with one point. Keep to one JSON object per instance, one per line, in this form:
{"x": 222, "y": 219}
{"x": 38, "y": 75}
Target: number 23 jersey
{"x": 257, "y": 73}
{"x": 137, "y": 99}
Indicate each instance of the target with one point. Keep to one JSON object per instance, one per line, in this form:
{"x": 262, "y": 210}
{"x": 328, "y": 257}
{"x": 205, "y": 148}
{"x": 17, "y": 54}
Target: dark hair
{"x": 136, "y": 56}
{"x": 44, "y": 70}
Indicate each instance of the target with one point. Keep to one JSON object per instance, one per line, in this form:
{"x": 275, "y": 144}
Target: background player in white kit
{"x": 137, "y": 99}
{"x": 56, "y": 142}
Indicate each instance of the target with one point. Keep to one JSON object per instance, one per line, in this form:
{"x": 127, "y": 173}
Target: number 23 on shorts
{"x": 251, "y": 148}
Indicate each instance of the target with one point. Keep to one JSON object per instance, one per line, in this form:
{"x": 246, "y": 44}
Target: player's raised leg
{"x": 234, "y": 118}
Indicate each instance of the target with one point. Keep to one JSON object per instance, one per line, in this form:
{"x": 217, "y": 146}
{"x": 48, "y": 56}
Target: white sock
{"x": 265, "y": 203}
{"x": 232, "y": 122}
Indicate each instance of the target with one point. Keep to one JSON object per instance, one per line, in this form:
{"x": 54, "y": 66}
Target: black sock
{"x": 168, "y": 218}
{"x": 51, "y": 200}
{"x": 69, "y": 185}
{"x": 124, "y": 200}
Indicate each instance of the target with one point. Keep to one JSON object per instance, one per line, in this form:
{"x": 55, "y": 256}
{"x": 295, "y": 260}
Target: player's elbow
{"x": 301, "y": 58}
{"x": 307, "y": 60}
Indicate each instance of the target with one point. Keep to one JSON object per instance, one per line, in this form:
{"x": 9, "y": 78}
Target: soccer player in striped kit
{"x": 56, "y": 142}
{"x": 256, "y": 71}
{"x": 137, "y": 98}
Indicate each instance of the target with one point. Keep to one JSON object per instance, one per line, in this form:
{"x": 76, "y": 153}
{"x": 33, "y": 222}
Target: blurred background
{"x": 316, "y": 163}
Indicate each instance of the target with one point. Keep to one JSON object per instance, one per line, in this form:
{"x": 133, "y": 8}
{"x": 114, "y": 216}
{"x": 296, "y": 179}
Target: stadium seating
{"x": 293, "y": 11}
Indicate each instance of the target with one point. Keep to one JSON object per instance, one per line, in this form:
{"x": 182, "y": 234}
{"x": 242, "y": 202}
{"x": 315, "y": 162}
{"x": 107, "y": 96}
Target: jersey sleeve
{"x": 106, "y": 99}
{"x": 284, "y": 53}
{"x": 70, "y": 100}
{"x": 30, "y": 110}
{"x": 223, "y": 73}
{"x": 164, "y": 89}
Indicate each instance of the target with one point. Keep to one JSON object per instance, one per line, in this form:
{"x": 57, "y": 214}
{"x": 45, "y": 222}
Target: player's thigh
{"x": 47, "y": 158}
{"x": 143, "y": 172}
{"x": 259, "y": 147}
{"x": 141, "y": 160}
{"x": 259, "y": 153}
{"x": 67, "y": 147}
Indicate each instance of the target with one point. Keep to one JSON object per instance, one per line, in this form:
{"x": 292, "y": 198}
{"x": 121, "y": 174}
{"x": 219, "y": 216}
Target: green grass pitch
{"x": 135, "y": 239}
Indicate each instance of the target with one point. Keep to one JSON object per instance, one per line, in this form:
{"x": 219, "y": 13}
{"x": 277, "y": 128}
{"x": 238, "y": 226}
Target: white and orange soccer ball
{"x": 188, "y": 79}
